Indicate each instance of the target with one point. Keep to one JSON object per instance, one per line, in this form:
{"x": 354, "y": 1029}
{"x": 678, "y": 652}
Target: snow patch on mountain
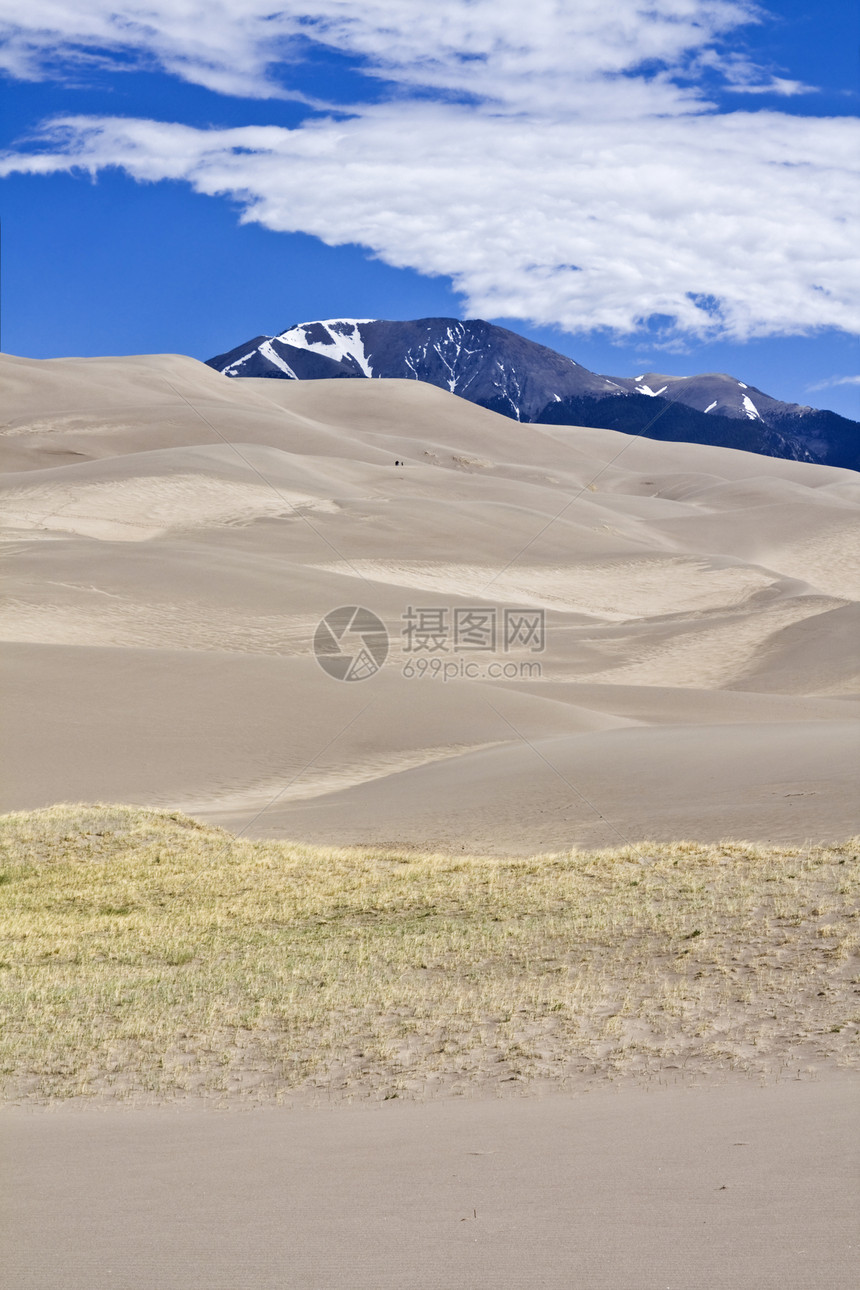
{"x": 750, "y": 408}
{"x": 267, "y": 352}
{"x": 335, "y": 338}
{"x": 233, "y": 369}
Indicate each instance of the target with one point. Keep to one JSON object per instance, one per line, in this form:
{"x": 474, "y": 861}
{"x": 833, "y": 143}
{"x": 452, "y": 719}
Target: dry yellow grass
{"x": 146, "y": 955}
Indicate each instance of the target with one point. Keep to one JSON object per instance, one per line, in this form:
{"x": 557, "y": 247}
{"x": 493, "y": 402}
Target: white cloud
{"x": 497, "y": 49}
{"x": 736, "y": 225}
{"x": 570, "y": 190}
{"x": 743, "y": 76}
{"x": 834, "y": 380}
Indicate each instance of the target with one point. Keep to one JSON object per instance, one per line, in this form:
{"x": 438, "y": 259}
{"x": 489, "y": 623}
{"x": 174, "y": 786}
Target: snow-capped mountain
{"x": 503, "y": 371}
{"x": 482, "y": 363}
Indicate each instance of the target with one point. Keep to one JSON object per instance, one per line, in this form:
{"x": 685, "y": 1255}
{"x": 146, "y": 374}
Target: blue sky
{"x": 666, "y": 187}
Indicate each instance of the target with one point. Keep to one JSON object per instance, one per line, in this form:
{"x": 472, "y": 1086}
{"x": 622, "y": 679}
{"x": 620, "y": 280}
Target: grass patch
{"x": 145, "y": 954}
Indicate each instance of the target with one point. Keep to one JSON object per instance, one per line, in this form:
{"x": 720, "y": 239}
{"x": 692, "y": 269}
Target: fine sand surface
{"x": 730, "y": 1188}
{"x": 171, "y": 539}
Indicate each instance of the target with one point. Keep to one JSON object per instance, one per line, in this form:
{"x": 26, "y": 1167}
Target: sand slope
{"x": 171, "y": 539}
{"x": 733, "y": 1187}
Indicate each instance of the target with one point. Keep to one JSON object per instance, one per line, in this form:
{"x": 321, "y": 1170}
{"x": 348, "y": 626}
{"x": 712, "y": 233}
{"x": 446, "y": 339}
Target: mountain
{"x": 487, "y": 365}
{"x": 502, "y": 371}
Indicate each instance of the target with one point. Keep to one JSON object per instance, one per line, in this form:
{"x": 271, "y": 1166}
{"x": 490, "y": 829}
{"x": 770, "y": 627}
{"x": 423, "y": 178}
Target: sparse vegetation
{"x": 144, "y": 954}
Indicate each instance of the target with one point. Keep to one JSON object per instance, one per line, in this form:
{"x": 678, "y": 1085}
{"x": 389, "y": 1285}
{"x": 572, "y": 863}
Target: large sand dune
{"x": 171, "y": 539}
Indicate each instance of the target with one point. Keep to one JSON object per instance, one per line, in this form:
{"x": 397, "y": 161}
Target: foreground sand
{"x": 682, "y": 1017}
{"x": 733, "y": 1188}
{"x": 637, "y": 1075}
{"x": 172, "y": 538}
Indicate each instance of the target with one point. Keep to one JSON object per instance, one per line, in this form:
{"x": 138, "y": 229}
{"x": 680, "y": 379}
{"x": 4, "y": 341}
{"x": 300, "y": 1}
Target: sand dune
{"x": 171, "y": 539}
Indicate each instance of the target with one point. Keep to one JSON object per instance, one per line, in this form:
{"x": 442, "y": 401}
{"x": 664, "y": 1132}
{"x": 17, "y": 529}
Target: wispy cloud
{"x": 743, "y": 76}
{"x": 568, "y": 169}
{"x": 492, "y": 48}
{"x": 833, "y": 381}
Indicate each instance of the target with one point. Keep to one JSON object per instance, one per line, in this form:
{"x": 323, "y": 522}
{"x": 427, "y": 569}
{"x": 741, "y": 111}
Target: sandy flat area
{"x": 171, "y": 539}
{"x": 662, "y": 1189}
